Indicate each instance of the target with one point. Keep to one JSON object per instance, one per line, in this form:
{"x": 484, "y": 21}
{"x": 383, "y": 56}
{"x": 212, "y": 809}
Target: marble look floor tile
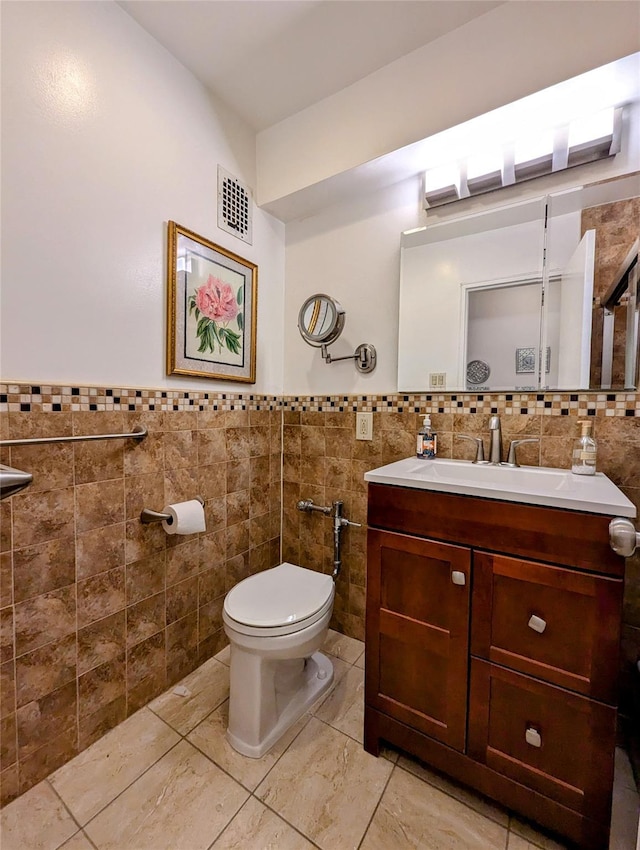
{"x": 360, "y": 662}
{"x": 624, "y": 773}
{"x": 518, "y": 843}
{"x": 209, "y": 736}
{"x": 624, "y": 819}
{"x": 224, "y": 656}
{"x": 448, "y": 786}
{"x": 340, "y": 669}
{"x": 37, "y": 820}
{"x": 183, "y": 801}
{"x": 208, "y": 687}
{"x": 326, "y": 786}
{"x": 346, "y": 648}
{"x": 414, "y": 814}
{"x": 533, "y": 836}
{"x": 255, "y": 826}
{"x": 94, "y": 777}
{"x": 78, "y": 842}
{"x": 344, "y": 707}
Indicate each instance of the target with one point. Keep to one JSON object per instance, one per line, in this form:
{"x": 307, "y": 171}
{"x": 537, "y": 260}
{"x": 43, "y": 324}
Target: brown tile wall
{"x": 617, "y": 226}
{"x": 99, "y": 613}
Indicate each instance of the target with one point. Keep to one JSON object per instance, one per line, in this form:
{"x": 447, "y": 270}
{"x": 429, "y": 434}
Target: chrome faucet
{"x": 495, "y": 452}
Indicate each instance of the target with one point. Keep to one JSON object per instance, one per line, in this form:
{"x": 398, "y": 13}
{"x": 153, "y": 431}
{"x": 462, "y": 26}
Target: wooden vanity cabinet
{"x": 492, "y": 647}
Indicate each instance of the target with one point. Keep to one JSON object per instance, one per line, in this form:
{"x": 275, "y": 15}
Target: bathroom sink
{"x": 556, "y": 488}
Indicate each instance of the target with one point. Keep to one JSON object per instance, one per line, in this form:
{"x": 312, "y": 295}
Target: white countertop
{"x": 531, "y": 485}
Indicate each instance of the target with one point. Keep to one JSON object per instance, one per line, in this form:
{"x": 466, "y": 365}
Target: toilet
{"x": 276, "y": 622}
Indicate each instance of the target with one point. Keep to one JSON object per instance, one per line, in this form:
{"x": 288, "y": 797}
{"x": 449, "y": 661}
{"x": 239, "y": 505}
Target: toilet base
{"x": 318, "y": 678}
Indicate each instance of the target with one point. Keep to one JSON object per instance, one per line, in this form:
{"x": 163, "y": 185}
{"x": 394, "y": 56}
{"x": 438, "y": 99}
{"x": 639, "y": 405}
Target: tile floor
{"x": 166, "y": 778}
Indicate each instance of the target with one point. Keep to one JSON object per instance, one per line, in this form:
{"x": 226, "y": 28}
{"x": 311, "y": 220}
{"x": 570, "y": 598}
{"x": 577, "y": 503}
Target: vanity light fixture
{"x": 586, "y": 139}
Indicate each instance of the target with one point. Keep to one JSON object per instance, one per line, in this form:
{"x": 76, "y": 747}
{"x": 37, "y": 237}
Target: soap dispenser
{"x": 583, "y": 460}
{"x": 427, "y": 444}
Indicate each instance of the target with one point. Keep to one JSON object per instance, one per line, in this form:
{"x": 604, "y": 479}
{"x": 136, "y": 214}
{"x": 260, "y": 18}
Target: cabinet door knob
{"x": 537, "y": 624}
{"x": 533, "y": 737}
{"x": 458, "y": 577}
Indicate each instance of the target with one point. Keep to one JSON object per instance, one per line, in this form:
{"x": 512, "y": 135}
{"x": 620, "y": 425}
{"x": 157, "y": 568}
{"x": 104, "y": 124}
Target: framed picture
{"x": 526, "y": 360}
{"x": 211, "y": 309}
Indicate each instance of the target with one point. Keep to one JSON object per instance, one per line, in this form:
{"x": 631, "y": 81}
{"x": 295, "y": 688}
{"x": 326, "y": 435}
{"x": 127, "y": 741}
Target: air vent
{"x": 235, "y": 206}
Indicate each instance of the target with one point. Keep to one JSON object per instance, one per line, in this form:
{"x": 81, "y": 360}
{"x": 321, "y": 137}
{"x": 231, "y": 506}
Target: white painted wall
{"x": 106, "y": 137}
{"x": 510, "y": 52}
{"x": 352, "y": 252}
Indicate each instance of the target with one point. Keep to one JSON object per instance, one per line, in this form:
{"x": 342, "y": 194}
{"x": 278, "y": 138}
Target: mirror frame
{"x": 337, "y": 321}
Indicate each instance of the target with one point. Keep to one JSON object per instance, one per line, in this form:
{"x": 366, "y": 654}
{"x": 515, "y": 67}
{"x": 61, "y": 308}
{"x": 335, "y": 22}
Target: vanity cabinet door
{"x": 559, "y": 625}
{"x": 417, "y": 636}
{"x": 548, "y": 739}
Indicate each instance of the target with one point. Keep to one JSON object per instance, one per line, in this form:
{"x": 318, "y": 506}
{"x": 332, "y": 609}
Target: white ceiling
{"x": 268, "y": 59}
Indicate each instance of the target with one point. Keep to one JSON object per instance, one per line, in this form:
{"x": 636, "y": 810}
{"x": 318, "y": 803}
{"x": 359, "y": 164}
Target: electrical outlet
{"x": 438, "y": 380}
{"x": 364, "y": 426}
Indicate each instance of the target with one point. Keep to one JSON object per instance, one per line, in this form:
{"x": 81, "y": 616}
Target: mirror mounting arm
{"x": 364, "y": 356}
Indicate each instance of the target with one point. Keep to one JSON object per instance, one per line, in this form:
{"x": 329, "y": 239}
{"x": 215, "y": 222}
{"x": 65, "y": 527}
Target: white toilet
{"x": 276, "y": 621}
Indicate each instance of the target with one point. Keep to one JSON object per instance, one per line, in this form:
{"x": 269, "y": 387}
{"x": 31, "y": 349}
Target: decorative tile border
{"x": 545, "y": 404}
{"x": 16, "y": 398}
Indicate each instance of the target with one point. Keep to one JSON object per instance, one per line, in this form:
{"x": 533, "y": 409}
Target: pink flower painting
{"x": 216, "y": 300}
{"x": 215, "y": 306}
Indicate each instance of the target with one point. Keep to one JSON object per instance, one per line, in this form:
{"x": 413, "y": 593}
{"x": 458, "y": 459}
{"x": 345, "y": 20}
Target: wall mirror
{"x": 538, "y": 295}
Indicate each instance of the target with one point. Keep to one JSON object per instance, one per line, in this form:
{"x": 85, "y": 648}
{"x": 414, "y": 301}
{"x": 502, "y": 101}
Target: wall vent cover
{"x": 235, "y": 206}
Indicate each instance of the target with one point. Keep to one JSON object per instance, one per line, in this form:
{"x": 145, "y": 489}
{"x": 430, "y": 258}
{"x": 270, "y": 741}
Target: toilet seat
{"x": 279, "y": 601}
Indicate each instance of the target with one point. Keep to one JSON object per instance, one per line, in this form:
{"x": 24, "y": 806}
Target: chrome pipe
{"x": 307, "y": 506}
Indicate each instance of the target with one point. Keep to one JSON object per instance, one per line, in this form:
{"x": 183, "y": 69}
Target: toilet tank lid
{"x": 283, "y": 594}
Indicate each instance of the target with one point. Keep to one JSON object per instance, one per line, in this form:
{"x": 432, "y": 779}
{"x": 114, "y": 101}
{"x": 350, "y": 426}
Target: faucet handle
{"x": 479, "y": 446}
{"x": 511, "y": 457}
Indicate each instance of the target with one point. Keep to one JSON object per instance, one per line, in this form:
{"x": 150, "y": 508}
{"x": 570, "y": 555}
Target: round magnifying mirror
{"x": 320, "y": 320}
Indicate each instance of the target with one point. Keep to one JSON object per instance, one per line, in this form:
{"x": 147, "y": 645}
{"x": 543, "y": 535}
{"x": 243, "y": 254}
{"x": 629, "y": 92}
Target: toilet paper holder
{"x": 148, "y": 516}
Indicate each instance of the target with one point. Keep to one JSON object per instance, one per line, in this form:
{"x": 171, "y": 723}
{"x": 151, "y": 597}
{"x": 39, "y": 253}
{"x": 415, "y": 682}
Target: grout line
{"x": 295, "y": 828}
{"x": 120, "y": 793}
{"x": 377, "y": 806}
{"x": 453, "y": 797}
{"x": 68, "y": 810}
{"x": 229, "y": 822}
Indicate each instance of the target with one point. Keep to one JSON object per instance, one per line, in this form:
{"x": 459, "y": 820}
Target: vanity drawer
{"x": 559, "y": 625}
{"x": 557, "y": 743}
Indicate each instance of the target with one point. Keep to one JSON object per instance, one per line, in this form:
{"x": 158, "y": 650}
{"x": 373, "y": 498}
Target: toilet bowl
{"x": 276, "y": 622}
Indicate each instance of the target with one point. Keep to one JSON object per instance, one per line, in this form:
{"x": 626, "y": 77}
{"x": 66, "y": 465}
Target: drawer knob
{"x": 532, "y": 737}
{"x": 458, "y": 577}
{"x": 537, "y": 624}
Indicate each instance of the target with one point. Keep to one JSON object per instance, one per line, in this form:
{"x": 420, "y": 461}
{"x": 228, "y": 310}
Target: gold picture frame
{"x": 212, "y": 299}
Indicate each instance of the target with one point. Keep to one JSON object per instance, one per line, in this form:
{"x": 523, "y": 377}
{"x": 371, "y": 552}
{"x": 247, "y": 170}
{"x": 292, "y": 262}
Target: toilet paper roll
{"x": 186, "y": 518}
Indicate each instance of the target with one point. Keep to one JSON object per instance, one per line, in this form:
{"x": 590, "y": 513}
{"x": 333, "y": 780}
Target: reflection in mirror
{"x": 321, "y": 320}
{"x": 603, "y": 240}
{"x": 499, "y": 301}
